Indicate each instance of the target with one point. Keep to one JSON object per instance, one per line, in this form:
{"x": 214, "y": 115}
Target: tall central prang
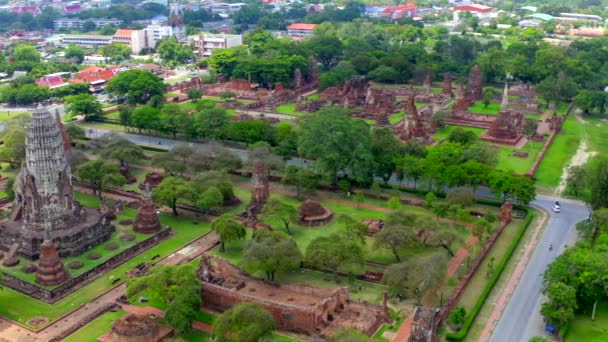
{"x": 44, "y": 196}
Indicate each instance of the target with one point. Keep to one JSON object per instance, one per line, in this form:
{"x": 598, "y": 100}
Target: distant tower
{"x": 176, "y": 20}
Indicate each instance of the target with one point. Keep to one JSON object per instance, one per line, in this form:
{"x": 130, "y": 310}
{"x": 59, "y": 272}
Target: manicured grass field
{"x": 98, "y": 327}
{"x": 583, "y": 329}
{"x": 480, "y": 108}
{"x": 5, "y": 116}
{"x": 445, "y": 131}
{"x": 290, "y": 109}
{"x": 560, "y": 153}
{"x": 479, "y": 280}
{"x": 520, "y": 165}
{"x": 26, "y": 307}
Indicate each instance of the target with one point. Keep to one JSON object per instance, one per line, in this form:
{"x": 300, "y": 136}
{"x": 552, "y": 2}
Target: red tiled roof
{"x": 91, "y": 69}
{"x": 473, "y": 8}
{"x": 406, "y": 7}
{"x": 124, "y": 33}
{"x": 72, "y": 8}
{"x": 26, "y": 9}
{"x": 301, "y": 26}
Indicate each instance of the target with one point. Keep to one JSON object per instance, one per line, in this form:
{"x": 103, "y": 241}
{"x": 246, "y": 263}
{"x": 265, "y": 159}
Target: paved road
{"x": 521, "y": 319}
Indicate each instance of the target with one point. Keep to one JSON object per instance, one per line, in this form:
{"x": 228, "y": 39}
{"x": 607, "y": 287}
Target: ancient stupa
{"x": 44, "y": 196}
{"x": 505, "y": 129}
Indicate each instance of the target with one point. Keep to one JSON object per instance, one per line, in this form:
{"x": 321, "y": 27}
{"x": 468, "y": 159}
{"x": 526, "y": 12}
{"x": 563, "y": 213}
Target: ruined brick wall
{"x": 287, "y": 318}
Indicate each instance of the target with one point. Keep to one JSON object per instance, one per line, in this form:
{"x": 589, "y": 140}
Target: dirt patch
{"x": 580, "y": 158}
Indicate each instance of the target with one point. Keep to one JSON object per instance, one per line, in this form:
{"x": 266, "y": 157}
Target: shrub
{"x": 461, "y": 196}
{"x": 94, "y": 256}
{"x": 429, "y": 199}
{"x": 112, "y": 247}
{"x": 457, "y": 317}
{"x": 76, "y": 265}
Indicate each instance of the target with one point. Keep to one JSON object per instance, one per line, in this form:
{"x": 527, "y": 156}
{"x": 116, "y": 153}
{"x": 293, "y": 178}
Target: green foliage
{"x": 228, "y": 229}
{"x": 561, "y": 302}
{"x": 177, "y": 287}
{"x": 12, "y": 150}
{"x": 304, "y": 180}
{"x": 399, "y": 231}
{"x": 83, "y": 104}
{"x": 76, "y": 52}
{"x": 245, "y": 322}
{"x": 209, "y": 199}
{"x": 137, "y": 85}
{"x": 121, "y": 149}
{"x": 171, "y": 191}
{"x": 100, "y": 175}
{"x": 341, "y": 251}
{"x": 413, "y": 278}
{"x": 344, "y": 334}
{"x": 337, "y": 142}
{"x": 116, "y": 52}
{"x": 271, "y": 252}
{"x": 287, "y": 214}
{"x": 173, "y": 52}
{"x": 457, "y": 317}
{"x": 462, "y": 333}
{"x": 598, "y": 182}
{"x": 74, "y": 132}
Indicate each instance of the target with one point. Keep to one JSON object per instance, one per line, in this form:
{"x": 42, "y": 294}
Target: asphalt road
{"x": 521, "y": 319}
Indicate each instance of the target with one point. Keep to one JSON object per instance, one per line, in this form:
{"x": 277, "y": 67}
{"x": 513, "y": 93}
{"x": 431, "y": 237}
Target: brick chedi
{"x": 44, "y": 196}
{"x": 447, "y": 84}
{"x": 146, "y": 221}
{"x": 412, "y": 126}
{"x": 476, "y": 83}
{"x": 50, "y": 270}
{"x": 261, "y": 190}
{"x": 507, "y": 128}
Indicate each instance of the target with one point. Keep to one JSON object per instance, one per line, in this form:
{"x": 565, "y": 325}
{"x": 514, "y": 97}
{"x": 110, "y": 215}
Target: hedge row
{"x": 462, "y": 333}
{"x": 423, "y": 192}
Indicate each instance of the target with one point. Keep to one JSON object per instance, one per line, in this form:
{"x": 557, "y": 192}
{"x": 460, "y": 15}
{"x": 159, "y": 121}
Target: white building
{"x": 86, "y": 40}
{"x": 149, "y": 37}
{"x": 69, "y": 23}
{"x": 209, "y": 42}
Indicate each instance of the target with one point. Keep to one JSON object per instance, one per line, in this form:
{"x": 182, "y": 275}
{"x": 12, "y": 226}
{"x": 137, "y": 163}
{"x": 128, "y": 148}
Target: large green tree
{"x": 171, "y": 191}
{"x": 283, "y": 212}
{"x": 338, "y": 143}
{"x": 229, "y": 229}
{"x": 561, "y": 303}
{"x": 100, "y": 175}
{"x": 177, "y": 288}
{"x": 83, "y": 104}
{"x": 137, "y": 85}
{"x": 245, "y": 322}
{"x": 271, "y": 252}
{"x": 413, "y": 278}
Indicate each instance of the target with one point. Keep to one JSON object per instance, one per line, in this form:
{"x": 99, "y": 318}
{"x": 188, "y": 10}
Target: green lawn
{"x": 560, "y": 153}
{"x": 480, "y": 108}
{"x": 479, "y": 280}
{"x": 98, "y": 327}
{"x": 508, "y": 162}
{"x": 583, "y": 329}
{"x": 185, "y": 231}
{"x": 5, "y": 116}
{"x": 445, "y": 131}
{"x": 289, "y": 109}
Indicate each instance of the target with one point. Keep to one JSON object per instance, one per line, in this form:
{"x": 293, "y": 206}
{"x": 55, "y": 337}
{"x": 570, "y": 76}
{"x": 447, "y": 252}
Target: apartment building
{"x": 209, "y": 42}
